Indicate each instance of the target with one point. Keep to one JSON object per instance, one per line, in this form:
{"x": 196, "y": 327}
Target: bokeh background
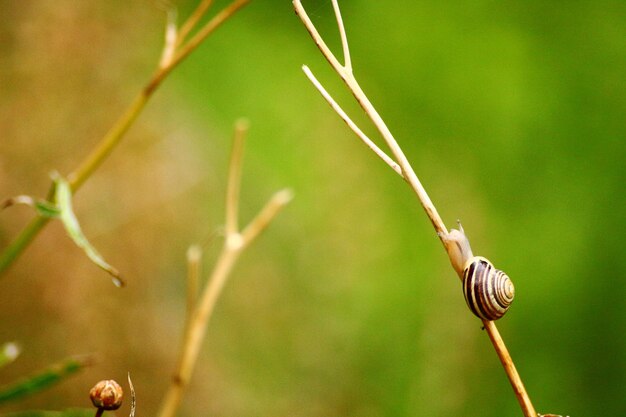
{"x": 512, "y": 113}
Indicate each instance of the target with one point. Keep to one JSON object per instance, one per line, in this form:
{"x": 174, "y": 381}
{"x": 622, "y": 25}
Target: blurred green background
{"x": 512, "y": 114}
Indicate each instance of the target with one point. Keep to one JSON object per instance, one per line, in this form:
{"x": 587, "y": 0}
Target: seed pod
{"x": 107, "y": 395}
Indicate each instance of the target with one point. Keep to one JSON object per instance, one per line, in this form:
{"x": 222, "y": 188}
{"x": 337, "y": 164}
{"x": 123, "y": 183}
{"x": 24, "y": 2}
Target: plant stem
{"x": 406, "y": 170}
{"x": 368, "y": 142}
{"x": 234, "y": 178}
{"x": 109, "y": 141}
{"x": 21, "y": 242}
{"x": 234, "y": 244}
{"x": 44, "y": 379}
{"x": 194, "y": 258}
{"x": 194, "y": 335}
{"x": 113, "y": 137}
{"x": 77, "y": 178}
{"x": 509, "y": 368}
{"x": 193, "y": 19}
{"x": 207, "y": 29}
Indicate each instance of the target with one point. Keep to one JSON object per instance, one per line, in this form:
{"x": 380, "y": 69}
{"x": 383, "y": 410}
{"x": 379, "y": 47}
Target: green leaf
{"x": 47, "y": 209}
{"x": 63, "y": 198}
{"x": 8, "y": 353}
{"x": 70, "y": 412}
{"x": 42, "y": 380}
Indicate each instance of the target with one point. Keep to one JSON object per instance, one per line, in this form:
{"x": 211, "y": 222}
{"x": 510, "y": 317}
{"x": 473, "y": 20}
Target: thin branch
{"x": 397, "y": 152}
{"x": 368, "y": 142}
{"x": 509, "y": 368}
{"x": 265, "y": 216}
{"x": 194, "y": 258}
{"x": 20, "y": 199}
{"x": 171, "y": 38}
{"x": 319, "y": 41}
{"x": 351, "y": 82}
{"x": 344, "y": 39}
{"x": 21, "y": 242}
{"x": 196, "y": 331}
{"x": 207, "y": 29}
{"x": 234, "y": 244}
{"x": 104, "y": 148}
{"x": 193, "y": 19}
{"x": 406, "y": 171}
{"x": 113, "y": 137}
{"x": 234, "y": 177}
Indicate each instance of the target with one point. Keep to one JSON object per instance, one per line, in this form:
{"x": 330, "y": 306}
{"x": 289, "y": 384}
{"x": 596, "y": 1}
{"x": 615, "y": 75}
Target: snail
{"x": 488, "y": 291}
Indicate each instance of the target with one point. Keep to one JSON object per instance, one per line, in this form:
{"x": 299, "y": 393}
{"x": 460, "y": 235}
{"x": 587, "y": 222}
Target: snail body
{"x": 488, "y": 291}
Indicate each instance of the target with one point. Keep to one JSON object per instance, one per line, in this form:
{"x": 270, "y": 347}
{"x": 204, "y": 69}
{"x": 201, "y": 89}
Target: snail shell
{"x": 488, "y": 291}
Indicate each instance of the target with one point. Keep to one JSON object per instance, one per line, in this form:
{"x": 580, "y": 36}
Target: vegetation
{"x": 510, "y": 116}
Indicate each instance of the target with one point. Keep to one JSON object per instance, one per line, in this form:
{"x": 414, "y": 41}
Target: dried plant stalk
{"x": 176, "y": 49}
{"x": 235, "y": 243}
{"x": 402, "y": 167}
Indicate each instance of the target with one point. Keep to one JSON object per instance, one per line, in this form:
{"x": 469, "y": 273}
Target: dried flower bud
{"x": 107, "y": 395}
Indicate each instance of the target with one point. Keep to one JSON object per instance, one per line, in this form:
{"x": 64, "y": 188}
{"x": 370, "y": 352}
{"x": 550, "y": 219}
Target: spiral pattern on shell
{"x": 488, "y": 291}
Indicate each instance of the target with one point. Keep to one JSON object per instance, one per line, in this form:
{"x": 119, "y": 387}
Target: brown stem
{"x": 406, "y": 171}
{"x": 193, "y": 20}
{"x": 509, "y": 368}
{"x": 234, "y": 244}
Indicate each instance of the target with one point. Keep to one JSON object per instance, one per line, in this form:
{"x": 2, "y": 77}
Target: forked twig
{"x": 171, "y": 38}
{"x": 345, "y": 72}
{"x": 190, "y": 45}
{"x": 176, "y": 49}
{"x": 235, "y": 242}
{"x": 193, "y": 20}
{"x": 401, "y": 166}
{"x": 368, "y": 142}
{"x": 176, "y": 55}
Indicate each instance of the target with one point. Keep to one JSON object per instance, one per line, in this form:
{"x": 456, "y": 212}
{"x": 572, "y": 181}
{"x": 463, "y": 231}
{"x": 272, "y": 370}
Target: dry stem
{"x": 405, "y": 170}
{"x": 235, "y": 242}
{"x": 194, "y": 259}
{"x": 176, "y": 49}
{"x": 193, "y": 20}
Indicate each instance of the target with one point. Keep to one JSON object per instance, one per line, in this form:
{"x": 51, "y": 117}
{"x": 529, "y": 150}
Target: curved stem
{"x": 368, "y": 142}
{"x": 113, "y": 137}
{"x": 195, "y": 332}
{"x": 21, "y": 242}
{"x": 104, "y": 148}
{"x": 347, "y": 59}
{"x": 406, "y": 172}
{"x": 207, "y": 29}
{"x": 396, "y": 150}
{"x": 234, "y": 244}
{"x": 509, "y": 368}
{"x": 193, "y": 19}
